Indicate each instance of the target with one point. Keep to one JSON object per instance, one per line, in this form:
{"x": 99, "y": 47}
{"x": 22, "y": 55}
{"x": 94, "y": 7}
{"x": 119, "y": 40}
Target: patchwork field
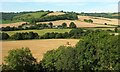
{"x": 37, "y": 47}
{"x": 40, "y": 32}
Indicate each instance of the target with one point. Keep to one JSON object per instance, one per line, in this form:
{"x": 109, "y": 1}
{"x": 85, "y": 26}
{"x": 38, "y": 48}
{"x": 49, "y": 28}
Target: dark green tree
{"x": 72, "y": 25}
{"x": 4, "y": 36}
{"x": 20, "y": 60}
{"x": 64, "y": 25}
{"x": 50, "y": 24}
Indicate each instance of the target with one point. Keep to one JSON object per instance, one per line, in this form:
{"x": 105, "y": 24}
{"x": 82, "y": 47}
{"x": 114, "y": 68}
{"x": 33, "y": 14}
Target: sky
{"x": 58, "y": 5}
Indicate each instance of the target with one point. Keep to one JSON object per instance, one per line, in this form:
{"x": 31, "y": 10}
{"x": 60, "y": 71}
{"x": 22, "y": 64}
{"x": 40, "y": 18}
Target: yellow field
{"x": 12, "y": 24}
{"x": 56, "y": 13}
{"x": 79, "y": 23}
{"x": 37, "y": 47}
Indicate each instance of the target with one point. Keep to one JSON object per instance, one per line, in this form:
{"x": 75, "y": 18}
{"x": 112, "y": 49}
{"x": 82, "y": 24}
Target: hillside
{"x": 57, "y": 18}
{"x": 29, "y": 16}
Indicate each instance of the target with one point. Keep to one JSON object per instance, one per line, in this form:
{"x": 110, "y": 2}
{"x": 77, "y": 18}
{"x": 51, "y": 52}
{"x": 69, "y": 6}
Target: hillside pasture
{"x": 29, "y": 16}
{"x": 37, "y": 47}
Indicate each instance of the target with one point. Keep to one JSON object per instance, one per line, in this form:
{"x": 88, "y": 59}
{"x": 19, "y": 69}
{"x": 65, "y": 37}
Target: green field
{"x": 9, "y": 21}
{"x": 30, "y": 15}
{"x": 40, "y": 32}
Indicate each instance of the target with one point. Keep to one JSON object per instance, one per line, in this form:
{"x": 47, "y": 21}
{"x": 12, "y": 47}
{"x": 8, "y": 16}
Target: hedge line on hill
{"x": 74, "y": 33}
{"x": 68, "y": 16}
{"x": 38, "y": 26}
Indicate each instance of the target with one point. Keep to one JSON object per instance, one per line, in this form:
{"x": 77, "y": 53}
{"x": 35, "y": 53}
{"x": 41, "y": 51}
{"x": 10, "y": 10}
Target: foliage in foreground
{"x": 97, "y": 51}
{"x": 19, "y": 60}
{"x": 94, "y": 52}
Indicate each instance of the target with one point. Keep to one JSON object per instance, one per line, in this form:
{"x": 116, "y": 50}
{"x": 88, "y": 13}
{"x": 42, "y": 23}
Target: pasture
{"x": 40, "y": 32}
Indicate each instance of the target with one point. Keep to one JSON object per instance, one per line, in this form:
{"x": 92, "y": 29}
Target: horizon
{"x": 86, "y": 7}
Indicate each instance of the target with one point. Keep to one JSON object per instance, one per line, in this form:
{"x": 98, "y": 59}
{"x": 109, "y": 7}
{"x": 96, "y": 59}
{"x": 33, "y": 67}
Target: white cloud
{"x": 59, "y": 1}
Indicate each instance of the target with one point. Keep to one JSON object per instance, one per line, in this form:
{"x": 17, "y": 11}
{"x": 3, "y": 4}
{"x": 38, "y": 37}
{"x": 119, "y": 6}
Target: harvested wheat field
{"x": 56, "y": 13}
{"x": 37, "y": 47}
{"x": 12, "y": 24}
{"x": 100, "y": 20}
{"x": 79, "y": 23}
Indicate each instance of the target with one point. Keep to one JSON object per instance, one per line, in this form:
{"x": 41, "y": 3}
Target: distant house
{"x": 57, "y": 26}
{"x": 26, "y": 26}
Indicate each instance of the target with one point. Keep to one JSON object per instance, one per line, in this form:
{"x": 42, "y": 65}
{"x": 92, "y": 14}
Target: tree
{"x": 46, "y": 35}
{"x": 65, "y": 35}
{"x": 20, "y": 60}
{"x": 62, "y": 59}
{"x": 4, "y": 36}
{"x": 98, "y": 51}
{"x": 64, "y": 25}
{"x": 59, "y": 35}
{"x": 90, "y": 21}
{"x": 52, "y": 35}
{"x": 72, "y": 25}
{"x": 116, "y": 29}
{"x": 50, "y": 24}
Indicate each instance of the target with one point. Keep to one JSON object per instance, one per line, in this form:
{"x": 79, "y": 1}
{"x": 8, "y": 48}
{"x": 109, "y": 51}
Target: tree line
{"x": 38, "y": 26}
{"x": 69, "y": 16}
{"x": 94, "y": 52}
{"x": 74, "y": 33}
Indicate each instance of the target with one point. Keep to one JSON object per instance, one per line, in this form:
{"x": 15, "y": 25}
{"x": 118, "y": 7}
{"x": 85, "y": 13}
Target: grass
{"x": 9, "y": 21}
{"x": 31, "y": 15}
{"x": 40, "y": 32}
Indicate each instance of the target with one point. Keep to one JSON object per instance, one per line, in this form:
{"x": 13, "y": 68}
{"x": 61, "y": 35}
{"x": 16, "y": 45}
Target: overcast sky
{"x": 57, "y": 5}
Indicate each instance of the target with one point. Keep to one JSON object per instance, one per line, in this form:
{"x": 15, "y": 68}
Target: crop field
{"x": 12, "y": 24}
{"x": 37, "y": 47}
{"x": 56, "y": 13}
{"x": 40, "y": 32}
{"x": 78, "y": 23}
{"x": 100, "y": 20}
